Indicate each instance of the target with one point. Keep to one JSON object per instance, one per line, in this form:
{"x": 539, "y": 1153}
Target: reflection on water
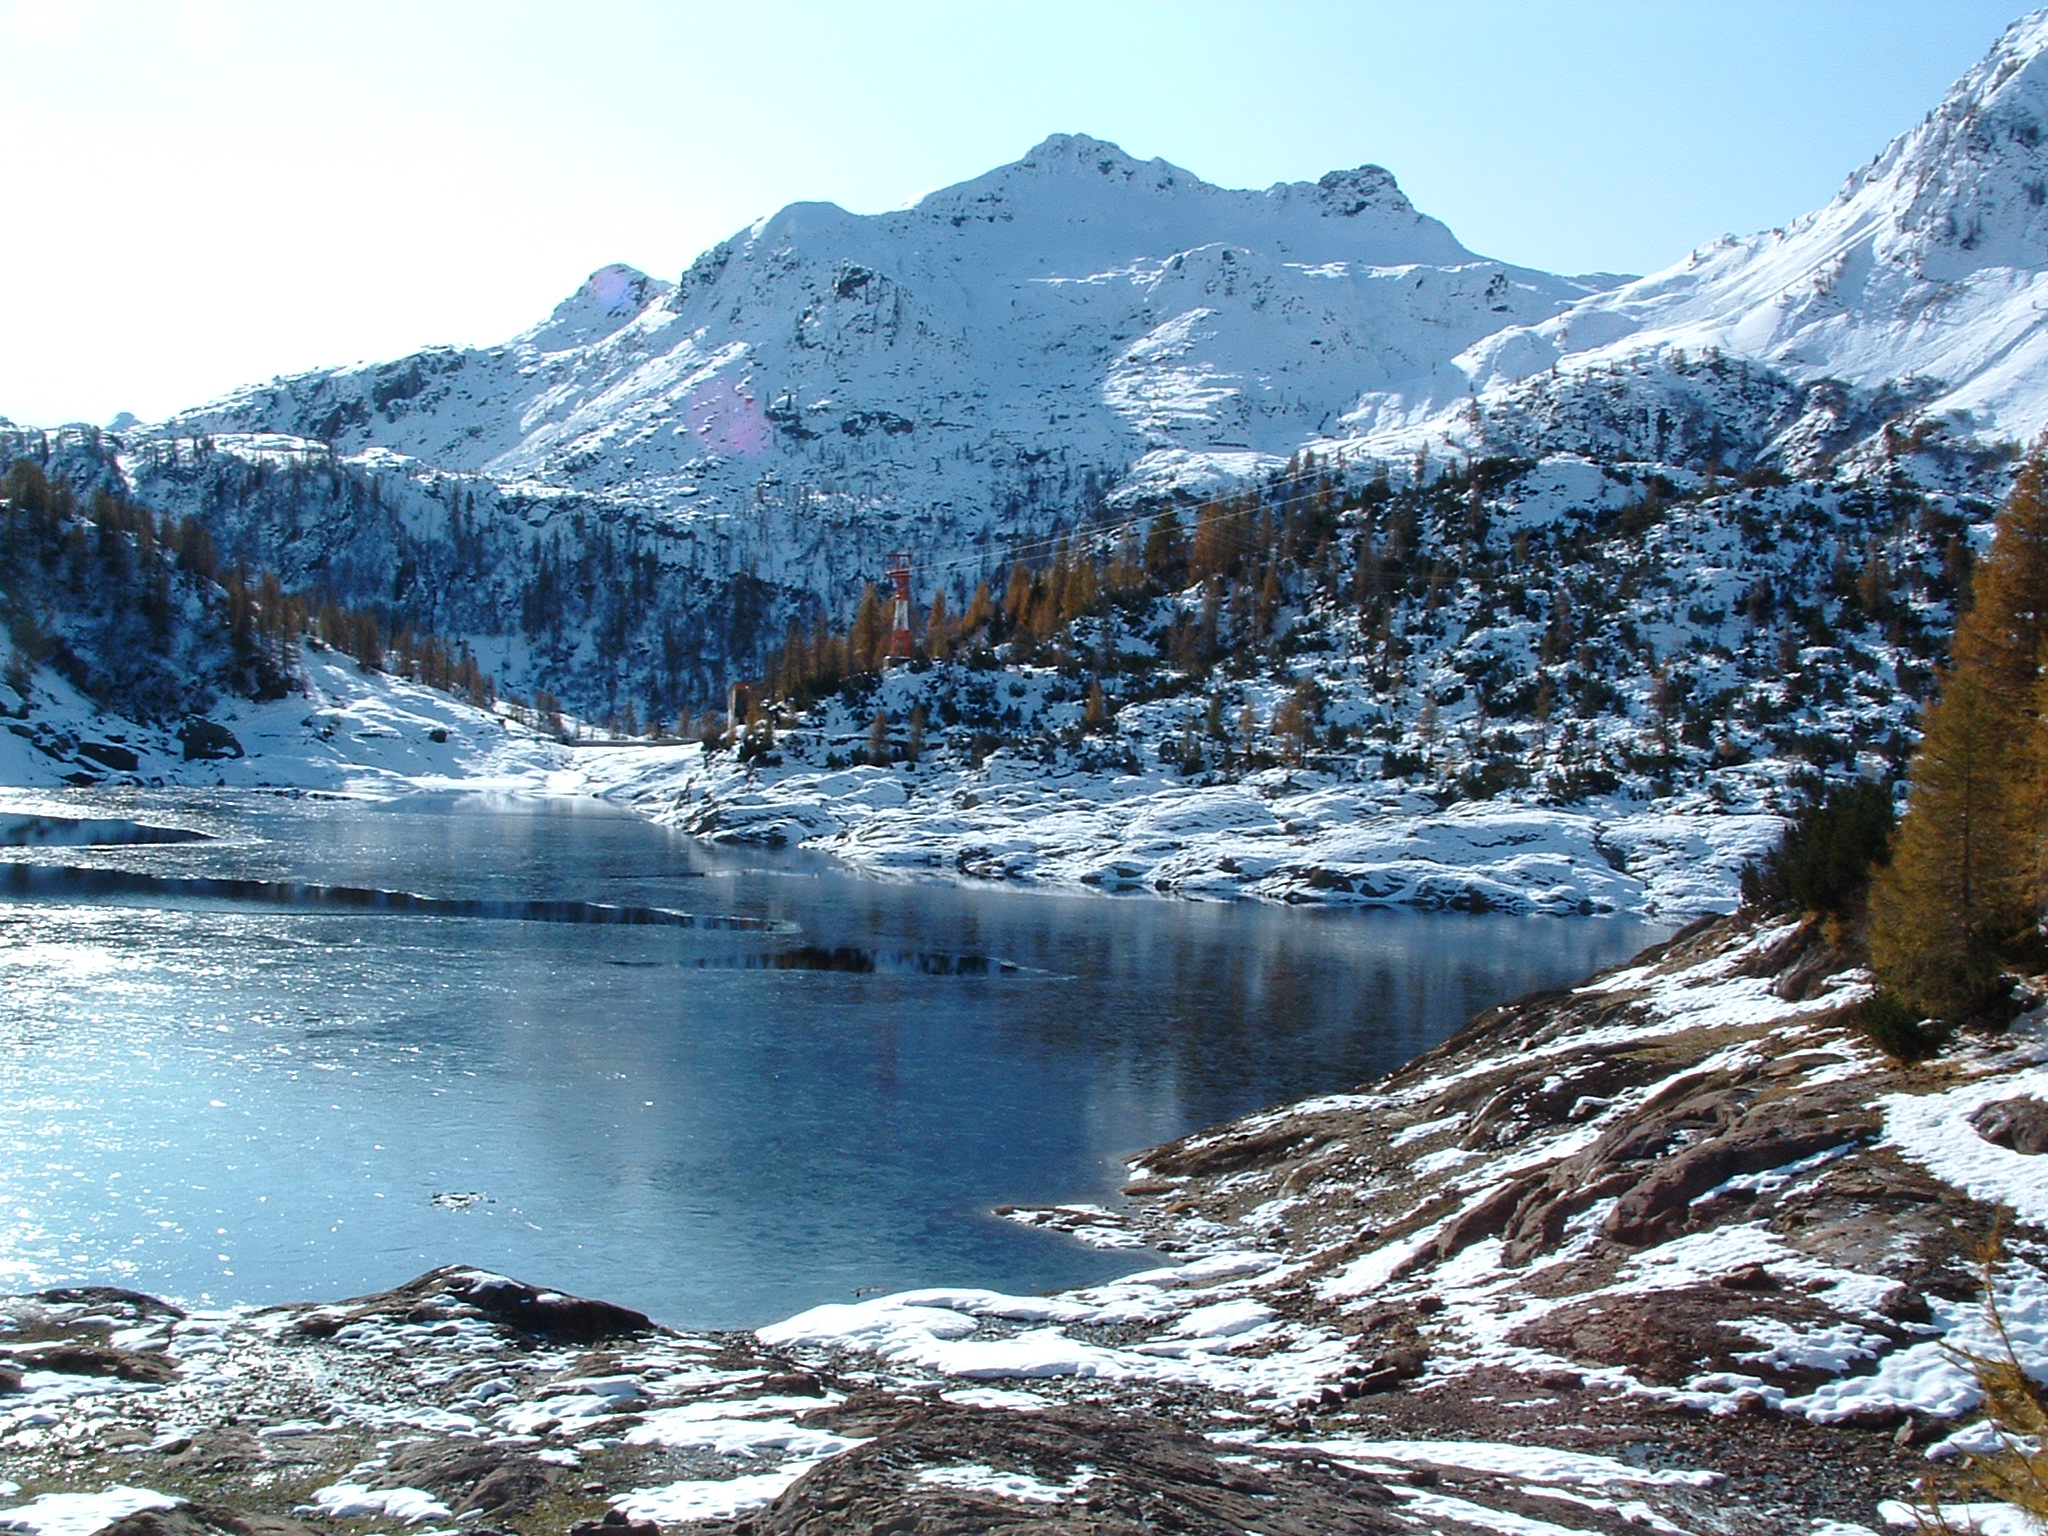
{"x": 260, "y": 1100}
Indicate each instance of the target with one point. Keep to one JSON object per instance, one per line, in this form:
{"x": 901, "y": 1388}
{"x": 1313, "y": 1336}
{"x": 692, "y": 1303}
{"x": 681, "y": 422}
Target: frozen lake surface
{"x": 233, "y": 1069}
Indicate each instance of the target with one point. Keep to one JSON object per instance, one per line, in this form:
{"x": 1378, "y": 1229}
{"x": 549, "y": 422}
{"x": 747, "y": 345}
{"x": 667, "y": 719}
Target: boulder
{"x": 455, "y": 1291}
{"x": 206, "y": 741}
{"x": 1665, "y": 1338}
{"x": 2019, "y": 1125}
{"x": 109, "y": 1301}
{"x": 472, "y": 1478}
{"x": 202, "y": 1520}
{"x": 120, "y": 759}
{"x": 615, "y": 1523}
{"x": 99, "y": 1360}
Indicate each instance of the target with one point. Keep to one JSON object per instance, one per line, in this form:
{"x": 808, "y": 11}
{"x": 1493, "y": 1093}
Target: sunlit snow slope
{"x": 1060, "y": 327}
{"x": 1926, "y": 276}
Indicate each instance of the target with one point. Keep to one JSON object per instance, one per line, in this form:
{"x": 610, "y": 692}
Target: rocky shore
{"x": 1675, "y": 1250}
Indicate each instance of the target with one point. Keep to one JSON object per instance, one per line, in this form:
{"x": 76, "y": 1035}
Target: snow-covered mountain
{"x": 1920, "y": 291}
{"x": 1695, "y": 538}
{"x": 630, "y": 501}
{"x": 1073, "y": 324}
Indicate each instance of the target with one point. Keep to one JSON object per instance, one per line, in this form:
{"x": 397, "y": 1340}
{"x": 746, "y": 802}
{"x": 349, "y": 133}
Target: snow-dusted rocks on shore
{"x": 1277, "y": 835}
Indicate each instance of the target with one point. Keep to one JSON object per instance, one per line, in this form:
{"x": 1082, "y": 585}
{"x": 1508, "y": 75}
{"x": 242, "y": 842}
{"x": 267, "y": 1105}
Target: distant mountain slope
{"x": 1073, "y": 323}
{"x": 1922, "y": 287}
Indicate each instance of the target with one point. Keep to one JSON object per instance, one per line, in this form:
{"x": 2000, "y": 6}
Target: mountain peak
{"x": 1077, "y": 151}
{"x": 1065, "y": 166}
{"x": 1090, "y": 206}
{"x": 1346, "y": 194}
{"x": 1928, "y": 268}
{"x": 1968, "y": 187}
{"x": 607, "y": 299}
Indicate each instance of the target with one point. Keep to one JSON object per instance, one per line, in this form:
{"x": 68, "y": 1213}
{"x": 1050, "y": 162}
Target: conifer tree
{"x": 1945, "y": 901}
{"x": 979, "y": 611}
{"x": 1969, "y": 874}
{"x": 1165, "y": 550}
{"x": 1999, "y": 639}
{"x": 870, "y": 634}
{"x": 1095, "y": 711}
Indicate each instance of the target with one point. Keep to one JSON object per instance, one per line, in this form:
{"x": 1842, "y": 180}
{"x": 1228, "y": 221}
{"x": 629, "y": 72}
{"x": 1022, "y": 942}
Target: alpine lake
{"x": 296, "y": 1048}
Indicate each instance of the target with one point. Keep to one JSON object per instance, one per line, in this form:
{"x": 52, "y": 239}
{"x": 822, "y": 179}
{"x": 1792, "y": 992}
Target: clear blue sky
{"x": 207, "y": 192}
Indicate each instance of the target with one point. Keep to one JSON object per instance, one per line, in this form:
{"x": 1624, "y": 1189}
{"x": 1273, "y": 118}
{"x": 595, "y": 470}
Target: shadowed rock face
{"x": 204, "y": 1520}
{"x": 473, "y": 1479}
{"x": 1671, "y": 1336}
{"x": 97, "y": 1360}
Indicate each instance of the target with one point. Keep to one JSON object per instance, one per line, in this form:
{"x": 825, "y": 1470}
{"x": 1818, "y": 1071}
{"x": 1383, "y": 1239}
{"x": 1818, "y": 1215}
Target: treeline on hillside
{"x": 1264, "y": 580}
{"x": 604, "y": 608}
{"x": 606, "y": 618}
{"x": 1247, "y": 556}
{"x": 140, "y": 614}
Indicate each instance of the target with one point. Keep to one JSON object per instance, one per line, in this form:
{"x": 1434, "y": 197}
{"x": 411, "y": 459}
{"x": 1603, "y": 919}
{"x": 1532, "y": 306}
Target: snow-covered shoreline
{"x": 1285, "y": 835}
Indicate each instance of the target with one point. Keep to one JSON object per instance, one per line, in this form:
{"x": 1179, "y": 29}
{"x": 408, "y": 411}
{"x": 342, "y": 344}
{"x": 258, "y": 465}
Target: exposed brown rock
{"x": 455, "y": 1291}
{"x": 110, "y": 1301}
{"x": 2019, "y": 1125}
{"x": 472, "y": 1477}
{"x": 203, "y": 1520}
{"x": 98, "y": 1360}
{"x": 615, "y": 1523}
{"x": 228, "y": 1450}
{"x": 1667, "y": 1337}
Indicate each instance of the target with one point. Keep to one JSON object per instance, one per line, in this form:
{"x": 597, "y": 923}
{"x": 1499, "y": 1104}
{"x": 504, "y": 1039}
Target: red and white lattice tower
{"x": 902, "y": 643}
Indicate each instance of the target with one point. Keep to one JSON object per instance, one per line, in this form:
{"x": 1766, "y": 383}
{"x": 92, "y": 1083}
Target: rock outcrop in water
{"x": 1674, "y": 1249}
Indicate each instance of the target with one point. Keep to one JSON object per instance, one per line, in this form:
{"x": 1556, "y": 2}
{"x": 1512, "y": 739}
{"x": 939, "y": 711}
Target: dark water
{"x": 217, "y": 1086}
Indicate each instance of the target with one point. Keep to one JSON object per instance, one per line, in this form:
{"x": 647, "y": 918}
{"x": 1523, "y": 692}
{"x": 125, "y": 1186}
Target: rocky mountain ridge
{"x": 1021, "y": 343}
